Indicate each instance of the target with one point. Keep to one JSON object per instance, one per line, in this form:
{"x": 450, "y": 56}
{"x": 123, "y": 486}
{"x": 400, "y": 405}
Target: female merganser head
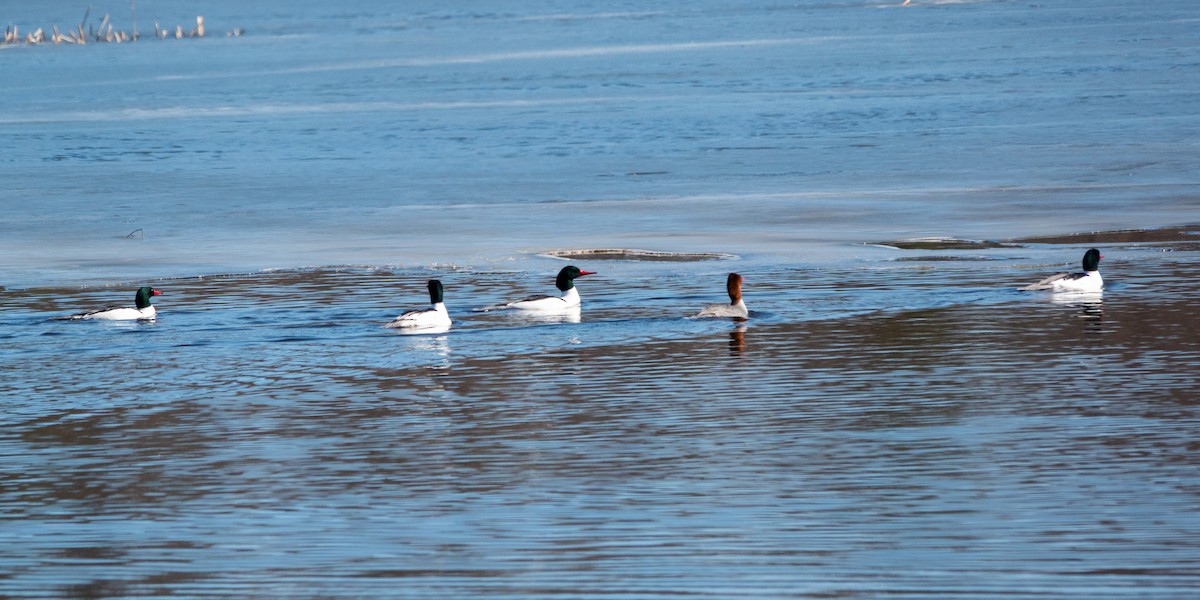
{"x": 565, "y": 282}
{"x": 1087, "y": 281}
{"x": 143, "y": 311}
{"x": 436, "y": 319}
{"x": 736, "y": 307}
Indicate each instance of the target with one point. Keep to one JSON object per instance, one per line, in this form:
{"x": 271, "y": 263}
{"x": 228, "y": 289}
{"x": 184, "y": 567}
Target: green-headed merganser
{"x": 430, "y": 318}
{"x": 565, "y": 282}
{"x": 1087, "y": 281}
{"x": 736, "y": 307}
{"x": 143, "y": 310}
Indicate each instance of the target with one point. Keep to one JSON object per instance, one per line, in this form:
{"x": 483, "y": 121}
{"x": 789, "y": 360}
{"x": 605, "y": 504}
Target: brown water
{"x": 877, "y": 429}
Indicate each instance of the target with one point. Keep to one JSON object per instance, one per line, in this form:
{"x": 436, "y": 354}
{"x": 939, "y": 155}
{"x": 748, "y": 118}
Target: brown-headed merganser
{"x": 736, "y": 307}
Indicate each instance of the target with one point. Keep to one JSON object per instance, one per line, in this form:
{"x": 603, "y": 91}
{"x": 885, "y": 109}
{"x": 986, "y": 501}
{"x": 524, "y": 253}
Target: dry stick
{"x": 81, "y": 38}
{"x": 100, "y": 31}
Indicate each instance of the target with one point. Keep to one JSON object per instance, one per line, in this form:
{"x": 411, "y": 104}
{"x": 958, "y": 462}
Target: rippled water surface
{"x": 874, "y": 429}
{"x": 889, "y": 423}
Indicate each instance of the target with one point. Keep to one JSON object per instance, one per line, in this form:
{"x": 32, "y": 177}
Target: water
{"x": 871, "y": 431}
{"x": 411, "y": 135}
{"x": 880, "y": 427}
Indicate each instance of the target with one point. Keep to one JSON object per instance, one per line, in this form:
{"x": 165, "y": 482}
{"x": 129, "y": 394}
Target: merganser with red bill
{"x": 1087, "y": 281}
{"x": 436, "y": 317}
{"x": 736, "y": 307}
{"x": 569, "y": 299}
{"x": 142, "y": 310}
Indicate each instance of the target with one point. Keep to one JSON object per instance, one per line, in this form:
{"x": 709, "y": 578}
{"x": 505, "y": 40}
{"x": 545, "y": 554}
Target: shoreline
{"x": 1186, "y": 235}
{"x": 1170, "y": 234}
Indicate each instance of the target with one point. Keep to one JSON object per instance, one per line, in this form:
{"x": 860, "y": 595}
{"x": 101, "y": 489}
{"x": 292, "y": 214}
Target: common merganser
{"x": 429, "y": 318}
{"x": 736, "y": 307}
{"x": 1087, "y": 281}
{"x": 144, "y": 311}
{"x": 565, "y": 282}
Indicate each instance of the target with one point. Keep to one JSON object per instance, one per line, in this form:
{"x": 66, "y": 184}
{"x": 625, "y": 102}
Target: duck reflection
{"x": 1089, "y": 304}
{"x": 424, "y": 332}
{"x": 569, "y": 315}
{"x": 434, "y": 352}
{"x": 737, "y": 340}
{"x": 439, "y": 345}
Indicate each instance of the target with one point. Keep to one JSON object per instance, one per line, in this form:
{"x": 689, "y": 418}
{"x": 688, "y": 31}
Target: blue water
{"x": 391, "y": 134}
{"x": 881, "y": 427}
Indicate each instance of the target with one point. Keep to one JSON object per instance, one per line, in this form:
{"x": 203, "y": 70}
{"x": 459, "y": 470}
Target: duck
{"x": 736, "y": 307}
{"x": 436, "y": 317}
{"x": 1087, "y": 281}
{"x": 569, "y": 300}
{"x": 142, "y": 310}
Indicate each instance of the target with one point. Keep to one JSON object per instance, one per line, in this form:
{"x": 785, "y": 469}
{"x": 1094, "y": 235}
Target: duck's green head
{"x": 143, "y": 296}
{"x": 566, "y": 277}
{"x": 435, "y": 291}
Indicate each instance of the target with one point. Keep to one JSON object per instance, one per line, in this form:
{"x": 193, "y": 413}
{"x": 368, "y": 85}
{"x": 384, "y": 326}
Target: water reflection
{"x": 737, "y": 340}
{"x": 1089, "y": 304}
{"x": 438, "y": 346}
{"x": 422, "y": 331}
{"x": 569, "y": 315}
{"x": 433, "y": 353}
{"x": 471, "y": 443}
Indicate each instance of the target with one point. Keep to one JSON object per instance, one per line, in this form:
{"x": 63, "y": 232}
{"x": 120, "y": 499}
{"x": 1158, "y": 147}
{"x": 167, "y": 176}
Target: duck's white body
{"x": 123, "y": 314}
{"x": 1087, "y": 281}
{"x": 735, "y": 309}
{"x": 430, "y": 318}
{"x": 436, "y": 318}
{"x": 548, "y": 304}
{"x": 143, "y": 311}
{"x": 568, "y": 302}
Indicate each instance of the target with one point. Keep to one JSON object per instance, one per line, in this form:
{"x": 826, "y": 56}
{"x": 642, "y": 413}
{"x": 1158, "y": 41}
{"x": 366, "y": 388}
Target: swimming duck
{"x": 142, "y": 310}
{"x": 736, "y": 307}
{"x": 1087, "y": 281}
{"x": 436, "y": 317}
{"x": 569, "y": 299}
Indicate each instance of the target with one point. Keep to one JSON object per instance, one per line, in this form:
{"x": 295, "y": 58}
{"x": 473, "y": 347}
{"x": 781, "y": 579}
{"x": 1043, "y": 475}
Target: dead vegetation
{"x": 86, "y": 32}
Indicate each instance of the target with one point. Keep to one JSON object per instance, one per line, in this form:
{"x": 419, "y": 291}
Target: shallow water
{"x": 889, "y": 423}
{"x": 876, "y": 429}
